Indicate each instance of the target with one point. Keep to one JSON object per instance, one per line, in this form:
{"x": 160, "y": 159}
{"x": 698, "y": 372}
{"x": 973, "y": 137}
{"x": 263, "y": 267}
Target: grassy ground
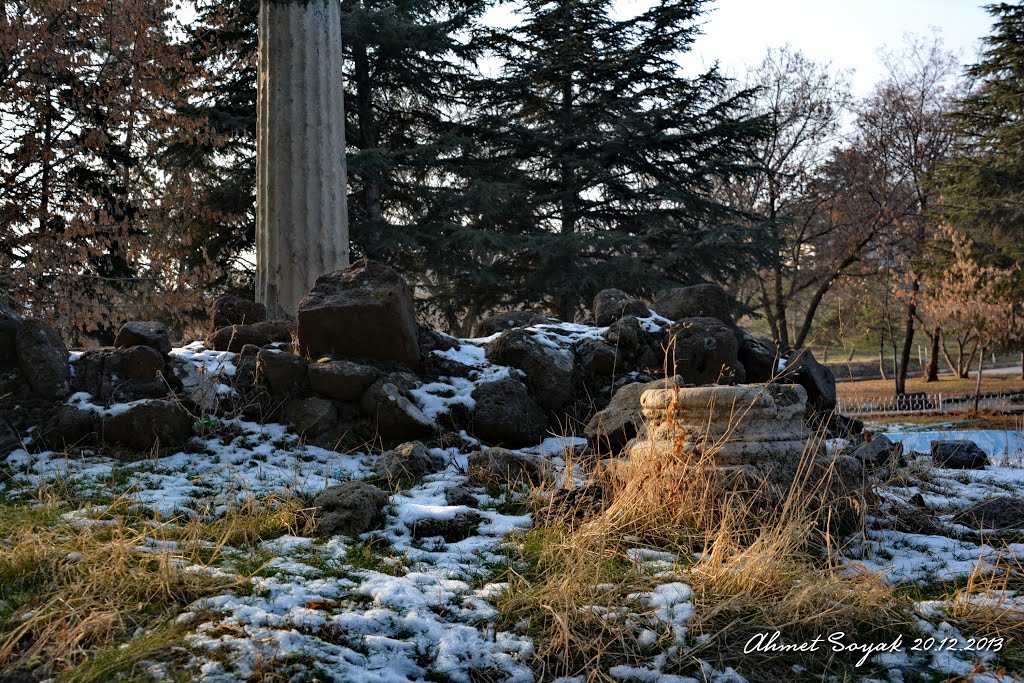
{"x": 984, "y": 420}
{"x": 947, "y": 385}
{"x": 91, "y": 592}
{"x": 666, "y": 567}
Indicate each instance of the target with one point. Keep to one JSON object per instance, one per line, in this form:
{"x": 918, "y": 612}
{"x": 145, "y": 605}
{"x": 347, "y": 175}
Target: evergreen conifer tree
{"x": 606, "y": 154}
{"x": 984, "y": 182}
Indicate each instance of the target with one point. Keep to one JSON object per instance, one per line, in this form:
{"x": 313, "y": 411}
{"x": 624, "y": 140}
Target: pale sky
{"x": 848, "y": 33}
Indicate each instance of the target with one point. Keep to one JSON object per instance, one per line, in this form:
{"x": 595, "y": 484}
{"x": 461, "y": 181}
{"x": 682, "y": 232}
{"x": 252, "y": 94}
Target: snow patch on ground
{"x": 390, "y": 607}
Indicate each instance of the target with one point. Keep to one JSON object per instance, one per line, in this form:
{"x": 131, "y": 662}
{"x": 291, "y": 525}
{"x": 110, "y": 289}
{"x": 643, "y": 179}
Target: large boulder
{"x": 817, "y": 379}
{"x": 408, "y": 462}
{"x": 880, "y": 451}
{"x": 959, "y": 455}
{"x": 599, "y": 358}
{"x": 9, "y": 439}
{"x": 118, "y": 375}
{"x": 397, "y": 418}
{"x": 703, "y": 350}
{"x": 341, "y": 380}
{"x": 610, "y": 429}
{"x": 454, "y": 527}
{"x": 71, "y": 427}
{"x": 236, "y": 337}
{"x": 311, "y": 417}
{"x": 283, "y": 372}
{"x": 460, "y": 495}
{"x": 506, "y": 415}
{"x": 760, "y": 358}
{"x": 43, "y": 359}
{"x": 507, "y": 468}
{"x": 625, "y": 335}
{"x": 614, "y": 304}
{"x": 549, "y": 371}
{"x": 144, "y": 426}
{"x": 999, "y": 513}
{"x": 245, "y": 366}
{"x": 10, "y": 321}
{"x": 696, "y": 301}
{"x": 203, "y": 389}
{"x": 353, "y": 507}
{"x": 232, "y": 310}
{"x": 144, "y": 333}
{"x": 509, "y": 320}
{"x": 432, "y": 340}
{"x": 364, "y": 310}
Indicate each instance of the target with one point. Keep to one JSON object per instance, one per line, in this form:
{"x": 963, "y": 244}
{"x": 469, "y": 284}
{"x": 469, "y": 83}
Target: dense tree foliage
{"x": 88, "y": 98}
{"x": 606, "y": 155}
{"x": 985, "y": 180}
{"x": 802, "y": 103}
{"x": 528, "y": 165}
{"x": 216, "y": 170}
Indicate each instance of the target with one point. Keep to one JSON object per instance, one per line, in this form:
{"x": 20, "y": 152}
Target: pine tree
{"x": 408, "y": 71}
{"x": 407, "y": 66}
{"x": 984, "y": 186}
{"x": 983, "y": 183}
{"x": 605, "y": 155}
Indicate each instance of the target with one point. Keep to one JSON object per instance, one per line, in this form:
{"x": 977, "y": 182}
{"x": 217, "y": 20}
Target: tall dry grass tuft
{"x": 759, "y": 558}
{"x": 989, "y": 604}
{"x": 75, "y": 585}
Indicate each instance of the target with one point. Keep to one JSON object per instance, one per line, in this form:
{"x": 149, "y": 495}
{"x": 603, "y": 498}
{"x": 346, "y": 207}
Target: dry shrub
{"x": 764, "y": 565}
{"x": 75, "y": 585}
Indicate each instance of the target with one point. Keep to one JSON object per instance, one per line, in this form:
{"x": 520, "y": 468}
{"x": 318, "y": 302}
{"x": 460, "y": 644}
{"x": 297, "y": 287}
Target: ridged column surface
{"x": 301, "y": 212}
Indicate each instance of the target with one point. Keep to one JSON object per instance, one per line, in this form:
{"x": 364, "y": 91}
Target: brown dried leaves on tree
{"x": 91, "y": 223}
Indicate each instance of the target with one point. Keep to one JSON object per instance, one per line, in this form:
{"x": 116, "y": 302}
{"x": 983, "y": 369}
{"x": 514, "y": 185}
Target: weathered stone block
{"x": 365, "y": 310}
{"x": 144, "y": 333}
{"x": 43, "y": 359}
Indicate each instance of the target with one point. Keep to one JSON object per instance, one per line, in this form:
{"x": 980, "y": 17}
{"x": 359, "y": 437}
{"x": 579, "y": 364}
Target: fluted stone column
{"x": 301, "y": 213}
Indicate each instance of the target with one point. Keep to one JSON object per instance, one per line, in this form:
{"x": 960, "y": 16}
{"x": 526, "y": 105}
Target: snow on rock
{"x": 437, "y": 398}
{"x": 413, "y": 613}
{"x": 218, "y": 363}
{"x": 999, "y": 445}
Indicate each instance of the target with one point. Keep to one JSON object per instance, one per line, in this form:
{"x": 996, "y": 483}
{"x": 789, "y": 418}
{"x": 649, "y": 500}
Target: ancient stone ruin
{"x": 753, "y": 440}
{"x": 357, "y": 371}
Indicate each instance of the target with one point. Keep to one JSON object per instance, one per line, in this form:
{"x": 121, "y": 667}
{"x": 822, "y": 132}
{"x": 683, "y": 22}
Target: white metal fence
{"x": 929, "y": 403}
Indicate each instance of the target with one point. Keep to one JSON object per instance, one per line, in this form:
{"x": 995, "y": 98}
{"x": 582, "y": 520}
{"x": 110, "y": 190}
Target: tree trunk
{"x": 769, "y": 312}
{"x": 931, "y": 371}
{"x": 824, "y": 287}
{"x": 568, "y": 300}
{"x": 44, "y": 182}
{"x": 949, "y": 360}
{"x": 977, "y": 384}
{"x": 908, "y": 341}
{"x": 881, "y": 357}
{"x": 780, "y": 307}
{"x": 301, "y": 212}
{"x": 970, "y": 359}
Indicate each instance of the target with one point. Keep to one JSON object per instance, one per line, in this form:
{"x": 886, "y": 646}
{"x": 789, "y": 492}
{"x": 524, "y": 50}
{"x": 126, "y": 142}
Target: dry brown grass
{"x": 989, "y": 605}
{"x": 74, "y": 586}
{"x": 762, "y": 568}
{"x": 876, "y": 389}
